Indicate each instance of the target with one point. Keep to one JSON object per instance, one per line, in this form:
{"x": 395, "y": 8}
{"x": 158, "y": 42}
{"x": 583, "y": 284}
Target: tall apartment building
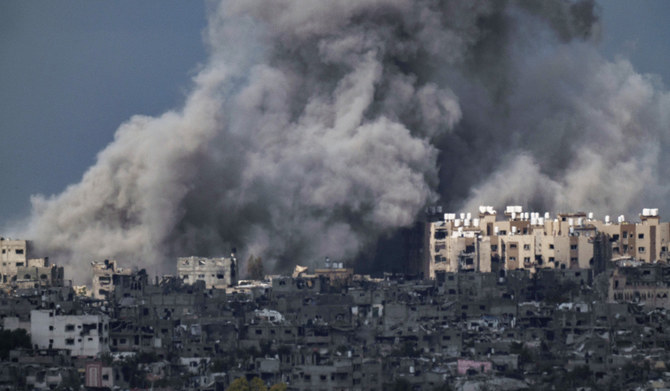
{"x": 532, "y": 241}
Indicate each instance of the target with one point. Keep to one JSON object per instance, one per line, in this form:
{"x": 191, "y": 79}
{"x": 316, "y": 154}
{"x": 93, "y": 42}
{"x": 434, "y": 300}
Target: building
{"x": 215, "y": 272}
{"x": 19, "y": 270}
{"x": 531, "y": 241}
{"x": 13, "y": 254}
{"x": 82, "y": 335}
{"x": 38, "y": 273}
{"x": 105, "y": 275}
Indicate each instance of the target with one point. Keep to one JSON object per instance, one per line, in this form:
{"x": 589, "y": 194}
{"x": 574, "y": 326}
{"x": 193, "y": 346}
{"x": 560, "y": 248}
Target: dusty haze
{"x": 316, "y": 127}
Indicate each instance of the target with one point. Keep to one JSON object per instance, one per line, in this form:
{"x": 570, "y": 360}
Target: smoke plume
{"x": 316, "y": 127}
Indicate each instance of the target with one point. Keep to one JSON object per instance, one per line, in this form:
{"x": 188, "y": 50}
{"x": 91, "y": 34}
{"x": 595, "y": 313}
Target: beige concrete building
{"x": 13, "y": 255}
{"x": 19, "y": 270}
{"x": 531, "y": 241}
{"x": 105, "y": 276}
{"x": 215, "y": 272}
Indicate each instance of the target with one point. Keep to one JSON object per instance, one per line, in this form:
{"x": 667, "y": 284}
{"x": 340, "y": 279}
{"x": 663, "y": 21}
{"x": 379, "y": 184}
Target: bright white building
{"x": 83, "y": 335}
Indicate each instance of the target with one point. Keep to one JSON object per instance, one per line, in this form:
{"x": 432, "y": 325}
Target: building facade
{"x": 531, "y": 241}
{"x": 82, "y": 335}
{"x": 215, "y": 272}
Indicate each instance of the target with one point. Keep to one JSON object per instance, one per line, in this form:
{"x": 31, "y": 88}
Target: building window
{"x": 551, "y": 247}
{"x": 19, "y": 251}
{"x": 69, "y": 327}
{"x": 526, "y": 246}
{"x": 494, "y": 247}
{"x": 512, "y": 259}
{"x": 69, "y": 341}
{"x": 640, "y": 236}
{"x": 51, "y": 328}
{"x": 19, "y": 264}
{"x": 625, "y": 234}
{"x": 640, "y": 249}
{"x": 526, "y": 260}
{"x": 573, "y": 260}
{"x": 512, "y": 245}
{"x": 573, "y": 247}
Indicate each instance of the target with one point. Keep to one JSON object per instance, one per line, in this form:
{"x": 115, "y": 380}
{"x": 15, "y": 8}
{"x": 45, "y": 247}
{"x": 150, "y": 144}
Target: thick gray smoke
{"x": 316, "y": 127}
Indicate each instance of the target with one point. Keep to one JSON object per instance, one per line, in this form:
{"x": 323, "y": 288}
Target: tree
{"x": 257, "y": 384}
{"x": 255, "y": 269}
{"x": 239, "y": 384}
{"x": 278, "y": 387}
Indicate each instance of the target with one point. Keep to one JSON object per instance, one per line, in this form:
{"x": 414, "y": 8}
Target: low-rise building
{"x": 215, "y": 272}
{"x": 83, "y": 335}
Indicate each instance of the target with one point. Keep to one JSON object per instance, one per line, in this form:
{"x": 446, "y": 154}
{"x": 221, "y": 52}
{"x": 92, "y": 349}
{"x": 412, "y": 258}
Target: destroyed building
{"x": 214, "y": 272}
{"x": 480, "y": 323}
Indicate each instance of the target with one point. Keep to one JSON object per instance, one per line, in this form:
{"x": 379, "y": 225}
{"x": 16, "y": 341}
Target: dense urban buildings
{"x": 532, "y": 241}
{"x": 528, "y": 302}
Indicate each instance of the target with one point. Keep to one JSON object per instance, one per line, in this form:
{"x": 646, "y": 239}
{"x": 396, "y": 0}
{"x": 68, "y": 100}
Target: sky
{"x": 72, "y": 71}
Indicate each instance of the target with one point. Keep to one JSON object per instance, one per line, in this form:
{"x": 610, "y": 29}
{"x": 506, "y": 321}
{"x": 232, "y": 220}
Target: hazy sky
{"x": 72, "y": 71}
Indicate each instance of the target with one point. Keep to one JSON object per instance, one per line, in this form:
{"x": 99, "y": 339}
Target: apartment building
{"x": 82, "y": 335}
{"x": 531, "y": 241}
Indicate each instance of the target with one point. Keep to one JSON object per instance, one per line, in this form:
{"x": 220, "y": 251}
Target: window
{"x": 494, "y": 247}
{"x": 503, "y": 232}
{"x": 573, "y": 260}
{"x": 512, "y": 245}
{"x": 526, "y": 246}
{"x": 4, "y": 251}
{"x": 19, "y": 251}
{"x": 512, "y": 259}
{"x": 640, "y": 249}
{"x": 573, "y": 247}
{"x": 69, "y": 341}
{"x": 526, "y": 260}
{"x": 69, "y": 327}
{"x": 551, "y": 247}
{"x": 625, "y": 234}
{"x": 51, "y": 328}
{"x": 18, "y": 264}
{"x": 640, "y": 236}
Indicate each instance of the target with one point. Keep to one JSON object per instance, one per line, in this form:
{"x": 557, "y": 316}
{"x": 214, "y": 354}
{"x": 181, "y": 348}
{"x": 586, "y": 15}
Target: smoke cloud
{"x": 316, "y": 127}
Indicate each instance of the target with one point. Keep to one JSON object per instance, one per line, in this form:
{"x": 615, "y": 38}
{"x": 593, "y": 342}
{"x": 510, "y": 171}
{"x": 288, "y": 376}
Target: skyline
{"x": 344, "y": 119}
